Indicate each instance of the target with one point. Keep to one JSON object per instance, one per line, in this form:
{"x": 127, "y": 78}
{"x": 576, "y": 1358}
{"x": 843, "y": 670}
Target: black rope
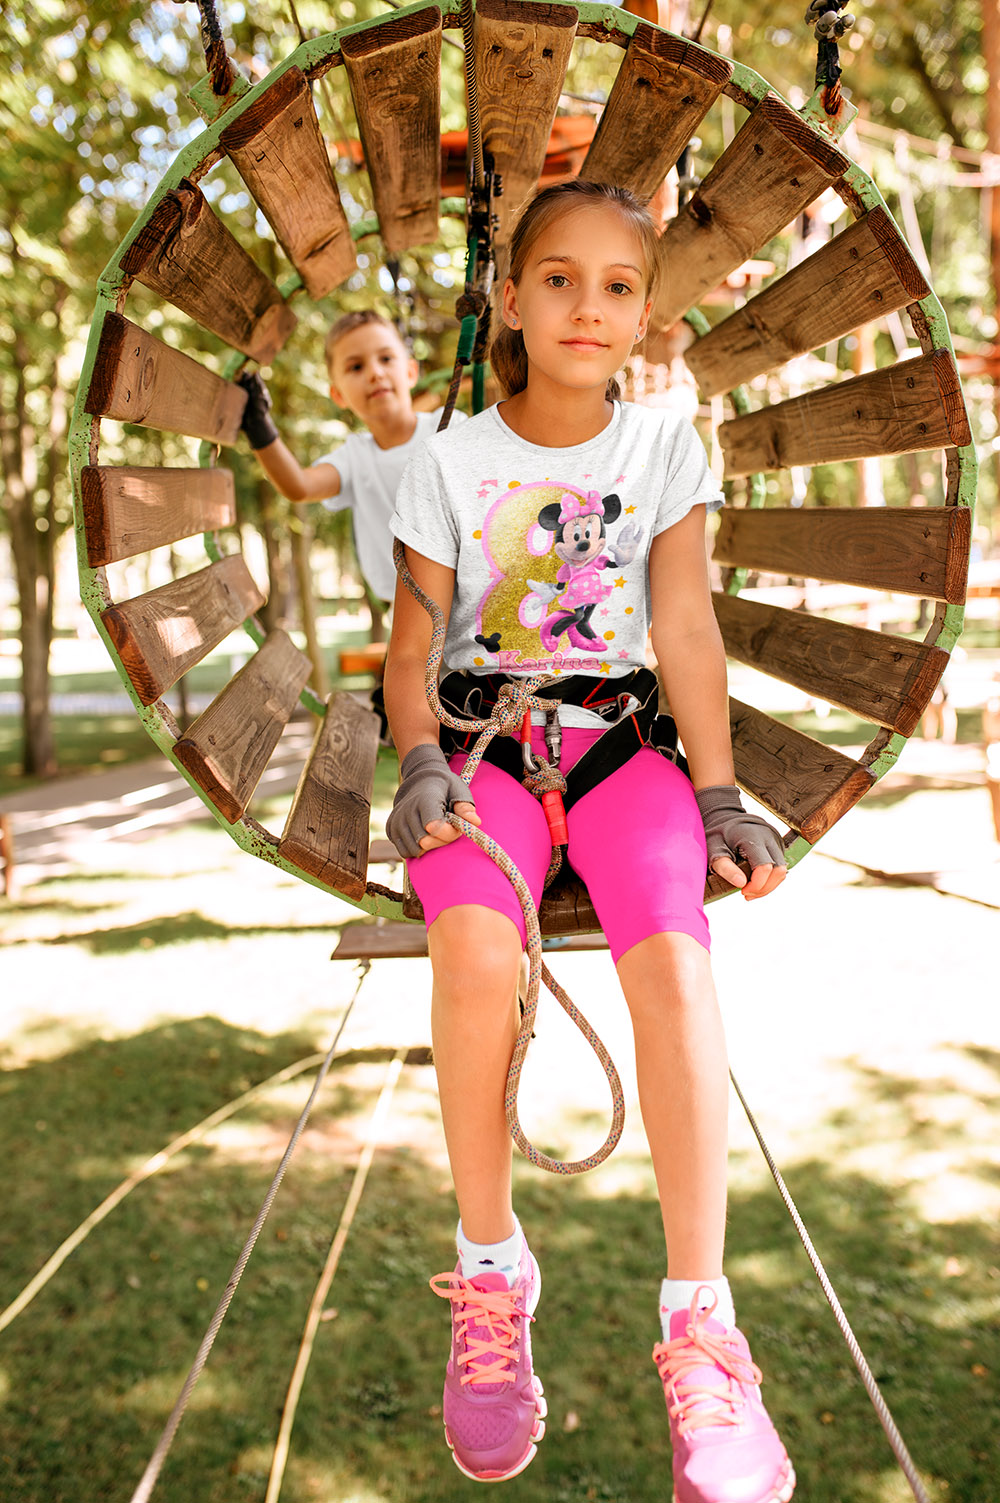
{"x": 830, "y": 27}
{"x": 220, "y": 69}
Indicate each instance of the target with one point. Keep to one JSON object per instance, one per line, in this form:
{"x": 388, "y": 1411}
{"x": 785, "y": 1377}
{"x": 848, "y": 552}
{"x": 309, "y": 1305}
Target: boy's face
{"x": 372, "y": 374}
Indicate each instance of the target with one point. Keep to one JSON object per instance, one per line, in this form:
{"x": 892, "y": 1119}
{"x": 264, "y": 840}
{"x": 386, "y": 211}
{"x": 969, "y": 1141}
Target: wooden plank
{"x": 903, "y": 409}
{"x": 862, "y": 274}
{"x": 160, "y": 635}
{"x": 774, "y": 167}
{"x": 522, "y": 52}
{"x": 187, "y": 255}
{"x": 326, "y": 833}
{"x": 277, "y": 148}
{"x": 664, "y": 88}
{"x": 139, "y": 379}
{"x": 394, "y": 70}
{"x": 800, "y": 780}
{"x": 364, "y": 940}
{"x": 884, "y": 679}
{"x": 229, "y": 745}
{"x": 921, "y": 551}
{"x": 130, "y": 509}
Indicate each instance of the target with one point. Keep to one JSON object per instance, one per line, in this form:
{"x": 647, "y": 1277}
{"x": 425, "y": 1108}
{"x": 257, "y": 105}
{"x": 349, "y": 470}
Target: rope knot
{"x": 509, "y": 710}
{"x": 544, "y": 779}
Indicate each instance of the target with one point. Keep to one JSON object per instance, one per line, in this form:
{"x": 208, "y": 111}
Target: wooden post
{"x": 7, "y": 858}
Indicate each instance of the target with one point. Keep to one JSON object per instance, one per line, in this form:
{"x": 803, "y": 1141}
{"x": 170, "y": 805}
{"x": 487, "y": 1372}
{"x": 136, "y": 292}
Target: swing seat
{"x": 777, "y": 164}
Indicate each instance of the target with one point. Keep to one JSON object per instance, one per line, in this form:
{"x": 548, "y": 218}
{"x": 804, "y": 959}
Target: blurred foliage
{"x": 95, "y": 109}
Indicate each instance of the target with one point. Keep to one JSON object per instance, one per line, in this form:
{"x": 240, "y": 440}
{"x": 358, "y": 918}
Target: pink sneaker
{"x": 726, "y": 1449}
{"x": 494, "y": 1409}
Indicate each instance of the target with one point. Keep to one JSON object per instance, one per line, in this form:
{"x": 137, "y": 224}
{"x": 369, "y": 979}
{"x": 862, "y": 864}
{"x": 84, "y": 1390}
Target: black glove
{"x": 257, "y": 423}
{"x": 731, "y": 831}
{"x": 427, "y": 790}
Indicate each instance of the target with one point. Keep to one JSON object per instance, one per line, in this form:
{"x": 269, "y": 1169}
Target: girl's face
{"x": 581, "y": 302}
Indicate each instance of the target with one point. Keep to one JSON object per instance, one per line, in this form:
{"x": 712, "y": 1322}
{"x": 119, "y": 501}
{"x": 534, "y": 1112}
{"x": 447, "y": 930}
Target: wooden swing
{"x": 777, "y": 164}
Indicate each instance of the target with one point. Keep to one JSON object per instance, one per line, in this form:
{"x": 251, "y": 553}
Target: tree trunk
{"x": 275, "y": 606}
{"x": 33, "y": 595}
{"x": 301, "y": 538}
{"x": 991, "y": 54}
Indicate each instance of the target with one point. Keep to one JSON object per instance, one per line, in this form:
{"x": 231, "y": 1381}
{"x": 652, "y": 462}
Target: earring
{"x": 515, "y": 323}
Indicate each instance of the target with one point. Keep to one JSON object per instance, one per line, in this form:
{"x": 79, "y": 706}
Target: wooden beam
{"x": 800, "y": 780}
{"x": 326, "y": 833}
{"x": 664, "y": 88}
{"x": 394, "y": 71}
{"x": 365, "y": 940}
{"x": 277, "y": 148}
{"x": 522, "y": 51}
{"x": 139, "y": 379}
{"x": 921, "y": 551}
{"x": 160, "y": 635}
{"x": 774, "y": 167}
{"x": 229, "y": 745}
{"x": 884, "y": 679}
{"x": 187, "y": 255}
{"x": 862, "y": 274}
{"x": 902, "y": 409}
{"x": 130, "y": 509}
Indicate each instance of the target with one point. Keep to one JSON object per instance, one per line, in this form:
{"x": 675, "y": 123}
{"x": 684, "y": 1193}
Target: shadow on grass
{"x": 172, "y": 929}
{"x": 89, "y": 1372}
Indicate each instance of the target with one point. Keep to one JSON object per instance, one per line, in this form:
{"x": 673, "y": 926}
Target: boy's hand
{"x": 257, "y": 423}
{"x": 730, "y": 832}
{"x": 428, "y": 789}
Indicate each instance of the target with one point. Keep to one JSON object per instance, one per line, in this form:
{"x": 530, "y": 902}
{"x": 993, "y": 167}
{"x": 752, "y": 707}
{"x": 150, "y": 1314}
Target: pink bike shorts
{"x": 636, "y": 839}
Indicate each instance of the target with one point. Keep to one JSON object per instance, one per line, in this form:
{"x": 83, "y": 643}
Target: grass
{"x": 168, "y": 982}
{"x": 90, "y": 1370}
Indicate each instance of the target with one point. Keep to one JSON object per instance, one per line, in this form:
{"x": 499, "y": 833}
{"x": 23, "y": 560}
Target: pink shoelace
{"x": 694, "y": 1404}
{"x": 487, "y": 1358}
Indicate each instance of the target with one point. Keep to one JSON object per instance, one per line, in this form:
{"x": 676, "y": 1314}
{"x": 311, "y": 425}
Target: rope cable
{"x": 145, "y": 1171}
{"x": 326, "y": 1278}
{"x": 867, "y": 1377}
{"x": 147, "y": 1482}
{"x": 220, "y": 69}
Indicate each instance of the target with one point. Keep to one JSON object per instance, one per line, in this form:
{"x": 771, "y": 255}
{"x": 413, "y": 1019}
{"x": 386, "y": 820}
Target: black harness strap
{"x": 476, "y": 694}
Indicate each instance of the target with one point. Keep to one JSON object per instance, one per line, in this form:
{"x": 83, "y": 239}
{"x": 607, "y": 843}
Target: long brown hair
{"x": 508, "y": 357}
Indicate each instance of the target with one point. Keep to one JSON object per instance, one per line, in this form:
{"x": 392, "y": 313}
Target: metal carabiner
{"x": 553, "y": 734}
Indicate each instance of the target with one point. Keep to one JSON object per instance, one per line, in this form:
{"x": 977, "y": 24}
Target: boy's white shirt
{"x": 369, "y": 479}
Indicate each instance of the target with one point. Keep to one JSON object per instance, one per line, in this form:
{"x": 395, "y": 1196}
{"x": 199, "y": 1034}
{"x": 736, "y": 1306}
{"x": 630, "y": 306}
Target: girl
{"x": 554, "y": 530}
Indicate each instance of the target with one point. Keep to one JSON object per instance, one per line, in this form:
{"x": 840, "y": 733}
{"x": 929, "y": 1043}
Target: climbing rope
{"x": 155, "y": 1465}
{"x": 315, "y": 1314}
{"x": 516, "y": 701}
{"x": 220, "y": 69}
{"x": 867, "y": 1377}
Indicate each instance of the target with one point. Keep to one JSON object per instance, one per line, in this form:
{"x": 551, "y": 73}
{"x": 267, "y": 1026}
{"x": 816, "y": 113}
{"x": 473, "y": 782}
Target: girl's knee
{"x": 474, "y": 952}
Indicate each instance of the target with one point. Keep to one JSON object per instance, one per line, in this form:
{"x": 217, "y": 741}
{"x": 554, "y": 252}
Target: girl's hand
{"x": 730, "y": 832}
{"x": 427, "y": 790}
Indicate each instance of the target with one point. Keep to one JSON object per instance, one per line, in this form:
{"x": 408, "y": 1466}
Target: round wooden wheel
{"x": 777, "y": 164}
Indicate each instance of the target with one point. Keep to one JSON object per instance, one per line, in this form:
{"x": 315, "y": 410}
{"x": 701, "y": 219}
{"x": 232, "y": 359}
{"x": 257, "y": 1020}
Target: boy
{"x": 371, "y": 374}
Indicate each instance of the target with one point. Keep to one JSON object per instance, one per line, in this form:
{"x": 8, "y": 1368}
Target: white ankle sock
{"x": 491, "y": 1257}
{"x": 677, "y": 1294}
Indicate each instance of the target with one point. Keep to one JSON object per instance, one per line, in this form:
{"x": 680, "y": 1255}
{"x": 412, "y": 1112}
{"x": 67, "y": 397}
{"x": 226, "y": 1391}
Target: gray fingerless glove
{"x": 257, "y": 422}
{"x": 731, "y": 831}
{"x": 428, "y": 788}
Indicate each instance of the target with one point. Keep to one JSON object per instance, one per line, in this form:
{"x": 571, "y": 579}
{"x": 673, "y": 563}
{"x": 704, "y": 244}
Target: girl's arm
{"x": 411, "y": 719}
{"x": 692, "y": 660}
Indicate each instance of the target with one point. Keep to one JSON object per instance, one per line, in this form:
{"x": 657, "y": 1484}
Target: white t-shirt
{"x": 550, "y": 547}
{"x": 369, "y": 477}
